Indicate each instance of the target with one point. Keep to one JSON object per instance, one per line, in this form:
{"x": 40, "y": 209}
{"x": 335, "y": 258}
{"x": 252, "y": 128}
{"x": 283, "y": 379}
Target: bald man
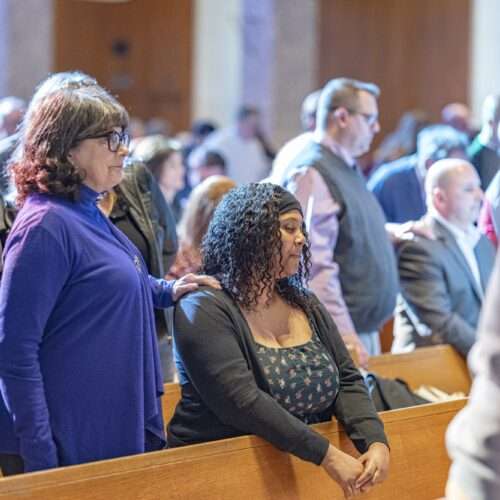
{"x": 443, "y": 279}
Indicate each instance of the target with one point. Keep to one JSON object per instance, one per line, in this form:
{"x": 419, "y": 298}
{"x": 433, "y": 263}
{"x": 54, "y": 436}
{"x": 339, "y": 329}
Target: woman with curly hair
{"x": 79, "y": 368}
{"x": 262, "y": 356}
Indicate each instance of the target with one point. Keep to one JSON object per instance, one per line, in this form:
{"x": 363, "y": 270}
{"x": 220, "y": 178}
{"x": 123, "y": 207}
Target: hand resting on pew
{"x": 262, "y": 356}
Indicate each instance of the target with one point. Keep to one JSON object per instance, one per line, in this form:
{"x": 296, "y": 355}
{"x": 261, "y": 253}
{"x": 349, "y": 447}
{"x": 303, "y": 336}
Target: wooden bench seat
{"x": 248, "y": 468}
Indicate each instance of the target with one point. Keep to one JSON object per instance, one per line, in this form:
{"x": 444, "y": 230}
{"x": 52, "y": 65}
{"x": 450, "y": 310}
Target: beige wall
{"x": 262, "y": 53}
{"x": 484, "y": 54}
{"x": 217, "y": 59}
{"x": 224, "y": 74}
{"x": 296, "y": 63}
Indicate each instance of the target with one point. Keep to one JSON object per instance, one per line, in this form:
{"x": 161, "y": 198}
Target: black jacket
{"x": 142, "y": 203}
{"x": 228, "y": 395}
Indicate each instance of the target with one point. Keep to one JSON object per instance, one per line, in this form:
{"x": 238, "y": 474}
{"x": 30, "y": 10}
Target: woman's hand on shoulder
{"x": 375, "y": 466}
{"x": 344, "y": 469}
{"x": 191, "y": 282}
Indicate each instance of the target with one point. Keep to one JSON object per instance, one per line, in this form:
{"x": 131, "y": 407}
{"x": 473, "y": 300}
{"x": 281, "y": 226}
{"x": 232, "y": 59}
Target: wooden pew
{"x": 248, "y": 468}
{"x": 387, "y": 335}
{"x": 440, "y": 366}
{"x": 171, "y": 396}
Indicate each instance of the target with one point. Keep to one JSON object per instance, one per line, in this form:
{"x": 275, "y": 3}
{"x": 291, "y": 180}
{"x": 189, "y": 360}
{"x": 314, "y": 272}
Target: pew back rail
{"x": 248, "y": 468}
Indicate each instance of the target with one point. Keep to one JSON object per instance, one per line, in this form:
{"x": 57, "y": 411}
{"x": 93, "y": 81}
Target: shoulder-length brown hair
{"x": 200, "y": 207}
{"x": 154, "y": 150}
{"x": 61, "y": 119}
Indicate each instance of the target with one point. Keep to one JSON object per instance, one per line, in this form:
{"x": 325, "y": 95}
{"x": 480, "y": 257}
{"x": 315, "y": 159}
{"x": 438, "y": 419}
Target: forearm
{"x": 353, "y": 406}
{"x": 207, "y": 338}
{"x": 267, "y": 419}
{"x": 425, "y": 288}
{"x": 442, "y": 324}
{"x": 22, "y": 327}
{"x": 24, "y": 398}
{"x": 230, "y": 391}
{"x": 458, "y": 333}
{"x": 162, "y": 292}
{"x": 354, "y": 409}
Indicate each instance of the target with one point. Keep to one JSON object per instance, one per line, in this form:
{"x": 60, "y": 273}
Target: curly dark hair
{"x": 241, "y": 245}
{"x": 59, "y": 121}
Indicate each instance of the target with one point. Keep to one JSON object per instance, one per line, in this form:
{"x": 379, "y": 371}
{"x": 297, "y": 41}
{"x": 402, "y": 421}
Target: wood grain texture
{"x": 248, "y": 468}
{"x": 440, "y": 366}
{"x": 417, "y": 51}
{"x": 154, "y": 79}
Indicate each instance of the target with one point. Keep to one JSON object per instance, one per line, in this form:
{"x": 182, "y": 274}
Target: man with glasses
{"x": 353, "y": 268}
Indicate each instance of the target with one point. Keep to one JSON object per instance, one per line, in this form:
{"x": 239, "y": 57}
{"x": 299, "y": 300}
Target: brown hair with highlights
{"x": 60, "y": 120}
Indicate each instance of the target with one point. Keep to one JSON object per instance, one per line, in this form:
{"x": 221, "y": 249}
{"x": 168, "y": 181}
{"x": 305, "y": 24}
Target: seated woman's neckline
{"x": 288, "y": 347}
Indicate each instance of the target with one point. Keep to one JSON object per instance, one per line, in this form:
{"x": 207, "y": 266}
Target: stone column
{"x": 217, "y": 60}
{"x": 280, "y": 53}
{"x": 255, "y": 52}
{"x": 26, "y": 45}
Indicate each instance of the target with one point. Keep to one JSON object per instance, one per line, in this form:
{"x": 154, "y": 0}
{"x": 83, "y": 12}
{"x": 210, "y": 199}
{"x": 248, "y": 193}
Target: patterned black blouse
{"x": 304, "y": 379}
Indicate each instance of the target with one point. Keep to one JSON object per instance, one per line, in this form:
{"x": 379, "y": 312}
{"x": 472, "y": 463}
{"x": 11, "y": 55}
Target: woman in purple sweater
{"x": 79, "y": 369}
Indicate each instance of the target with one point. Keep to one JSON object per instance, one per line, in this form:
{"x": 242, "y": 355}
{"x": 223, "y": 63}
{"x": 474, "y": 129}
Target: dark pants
{"x": 11, "y": 464}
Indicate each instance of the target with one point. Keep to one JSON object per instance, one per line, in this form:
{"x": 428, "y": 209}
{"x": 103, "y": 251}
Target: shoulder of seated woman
{"x": 206, "y": 293}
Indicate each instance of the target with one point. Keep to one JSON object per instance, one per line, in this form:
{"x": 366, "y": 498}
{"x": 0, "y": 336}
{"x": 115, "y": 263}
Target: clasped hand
{"x": 357, "y": 476}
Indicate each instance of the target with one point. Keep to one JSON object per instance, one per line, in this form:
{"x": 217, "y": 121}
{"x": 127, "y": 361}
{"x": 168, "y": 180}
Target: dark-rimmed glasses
{"x": 370, "y": 118}
{"x": 115, "y": 139}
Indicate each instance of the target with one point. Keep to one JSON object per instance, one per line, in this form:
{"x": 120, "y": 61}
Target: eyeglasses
{"x": 370, "y": 118}
{"x": 115, "y": 139}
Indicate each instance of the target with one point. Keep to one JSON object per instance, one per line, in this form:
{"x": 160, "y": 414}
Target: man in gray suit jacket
{"x": 443, "y": 279}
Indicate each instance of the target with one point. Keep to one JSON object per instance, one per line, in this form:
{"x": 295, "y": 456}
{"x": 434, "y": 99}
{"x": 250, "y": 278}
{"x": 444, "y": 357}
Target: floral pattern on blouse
{"x": 303, "y": 379}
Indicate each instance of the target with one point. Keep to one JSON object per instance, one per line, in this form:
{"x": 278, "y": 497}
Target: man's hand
{"x": 375, "y": 466}
{"x": 191, "y": 282}
{"x": 402, "y": 232}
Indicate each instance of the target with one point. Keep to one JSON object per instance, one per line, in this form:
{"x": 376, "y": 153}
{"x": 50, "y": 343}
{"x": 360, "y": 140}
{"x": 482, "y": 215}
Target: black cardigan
{"x": 227, "y": 394}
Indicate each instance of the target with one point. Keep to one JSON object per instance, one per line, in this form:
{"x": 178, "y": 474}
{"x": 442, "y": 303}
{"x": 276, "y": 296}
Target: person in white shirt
{"x": 243, "y": 146}
{"x": 294, "y": 146}
{"x": 443, "y": 279}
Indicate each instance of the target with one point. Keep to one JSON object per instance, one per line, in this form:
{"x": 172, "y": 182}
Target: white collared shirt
{"x": 466, "y": 241}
